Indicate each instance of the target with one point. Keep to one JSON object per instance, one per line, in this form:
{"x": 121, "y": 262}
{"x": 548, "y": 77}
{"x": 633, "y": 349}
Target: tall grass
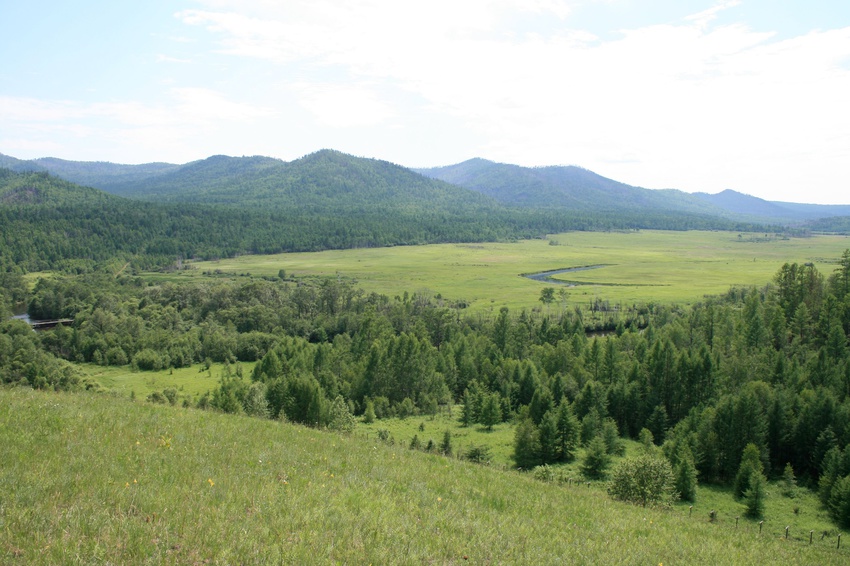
{"x": 92, "y": 479}
{"x": 641, "y": 267}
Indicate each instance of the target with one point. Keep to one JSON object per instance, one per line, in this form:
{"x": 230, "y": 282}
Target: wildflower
{"x": 134, "y": 481}
{"x": 127, "y": 484}
{"x": 212, "y": 483}
{"x": 439, "y": 499}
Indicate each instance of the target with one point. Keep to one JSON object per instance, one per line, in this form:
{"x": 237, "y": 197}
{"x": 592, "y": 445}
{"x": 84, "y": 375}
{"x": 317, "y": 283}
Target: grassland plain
{"x": 639, "y": 267}
{"x": 92, "y": 479}
{"x": 190, "y": 382}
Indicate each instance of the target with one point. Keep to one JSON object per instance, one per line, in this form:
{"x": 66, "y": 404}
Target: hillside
{"x": 99, "y": 479}
{"x": 49, "y": 223}
{"x": 563, "y": 187}
{"x": 103, "y": 175}
{"x": 320, "y": 182}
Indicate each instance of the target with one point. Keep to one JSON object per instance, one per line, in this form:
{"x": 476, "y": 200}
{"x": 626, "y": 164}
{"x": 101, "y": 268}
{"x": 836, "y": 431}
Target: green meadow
{"x": 638, "y": 267}
{"x": 92, "y": 479}
{"x": 190, "y": 382}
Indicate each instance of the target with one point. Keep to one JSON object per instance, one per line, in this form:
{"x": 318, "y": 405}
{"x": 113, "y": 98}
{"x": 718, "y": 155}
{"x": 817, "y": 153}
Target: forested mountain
{"x": 328, "y": 179}
{"x": 579, "y": 189}
{"x": 322, "y": 181}
{"x": 563, "y": 187}
{"x": 48, "y": 223}
{"x": 739, "y": 203}
{"x": 776, "y": 211}
{"x": 18, "y": 165}
{"x": 103, "y": 175}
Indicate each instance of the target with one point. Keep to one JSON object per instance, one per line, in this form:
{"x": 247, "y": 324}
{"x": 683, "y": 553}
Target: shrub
{"x": 644, "y": 480}
{"x": 157, "y": 397}
{"x": 446, "y": 444}
{"x": 369, "y": 413}
{"x": 170, "y": 393}
{"x": 147, "y": 360}
{"x": 339, "y": 417}
{"x": 478, "y": 454}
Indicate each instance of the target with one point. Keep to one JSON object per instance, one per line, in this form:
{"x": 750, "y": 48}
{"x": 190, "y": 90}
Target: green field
{"x": 640, "y": 267}
{"x": 190, "y": 382}
{"x": 90, "y": 479}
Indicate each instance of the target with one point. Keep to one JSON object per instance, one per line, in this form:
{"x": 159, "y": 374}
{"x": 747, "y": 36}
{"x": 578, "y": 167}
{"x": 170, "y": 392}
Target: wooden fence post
{"x": 786, "y": 532}
{"x": 761, "y": 524}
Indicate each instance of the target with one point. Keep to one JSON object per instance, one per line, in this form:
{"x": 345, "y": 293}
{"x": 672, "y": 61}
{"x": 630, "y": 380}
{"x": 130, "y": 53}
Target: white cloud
{"x": 186, "y": 126}
{"x": 693, "y": 104}
{"x": 343, "y": 106}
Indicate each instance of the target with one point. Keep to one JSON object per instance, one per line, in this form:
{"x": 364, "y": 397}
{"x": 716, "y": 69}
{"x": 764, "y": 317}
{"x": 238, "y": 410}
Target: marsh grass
{"x": 92, "y": 479}
{"x": 640, "y": 267}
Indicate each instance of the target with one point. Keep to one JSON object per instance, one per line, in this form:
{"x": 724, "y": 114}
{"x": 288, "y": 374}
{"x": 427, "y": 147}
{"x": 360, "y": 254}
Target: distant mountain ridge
{"x": 328, "y": 179}
{"x": 569, "y": 187}
{"x": 740, "y": 203}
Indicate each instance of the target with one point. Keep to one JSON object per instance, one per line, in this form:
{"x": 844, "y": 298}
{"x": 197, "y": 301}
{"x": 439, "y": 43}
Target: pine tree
{"x": 569, "y": 432}
{"x": 685, "y": 473}
{"x": 755, "y": 495}
{"x": 750, "y": 467}
{"x": 596, "y": 459}
{"x": 526, "y": 445}
{"x": 548, "y": 431}
{"x": 491, "y": 411}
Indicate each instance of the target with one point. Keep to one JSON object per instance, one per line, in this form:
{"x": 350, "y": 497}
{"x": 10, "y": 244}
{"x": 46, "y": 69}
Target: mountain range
{"x": 329, "y": 179}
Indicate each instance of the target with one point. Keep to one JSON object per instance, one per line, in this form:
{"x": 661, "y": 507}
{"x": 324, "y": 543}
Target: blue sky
{"x": 750, "y": 95}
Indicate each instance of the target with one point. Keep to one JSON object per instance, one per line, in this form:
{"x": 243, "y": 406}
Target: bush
{"x": 478, "y": 454}
{"x": 147, "y": 360}
{"x": 157, "y": 397}
{"x": 644, "y": 480}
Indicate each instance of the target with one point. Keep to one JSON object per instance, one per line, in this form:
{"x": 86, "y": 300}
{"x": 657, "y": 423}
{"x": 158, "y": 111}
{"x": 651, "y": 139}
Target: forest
{"x": 758, "y": 375}
{"x": 50, "y": 224}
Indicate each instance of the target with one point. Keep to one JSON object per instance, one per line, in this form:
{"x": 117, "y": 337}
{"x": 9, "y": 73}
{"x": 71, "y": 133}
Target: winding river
{"x": 548, "y": 276}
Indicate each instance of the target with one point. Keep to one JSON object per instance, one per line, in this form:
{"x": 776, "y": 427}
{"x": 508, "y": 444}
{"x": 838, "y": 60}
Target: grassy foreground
{"x": 95, "y": 479}
{"x": 639, "y": 267}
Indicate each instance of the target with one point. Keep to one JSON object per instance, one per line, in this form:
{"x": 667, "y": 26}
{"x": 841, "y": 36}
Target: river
{"x": 548, "y": 276}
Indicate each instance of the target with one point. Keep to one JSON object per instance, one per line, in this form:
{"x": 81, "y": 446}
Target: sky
{"x": 697, "y": 95}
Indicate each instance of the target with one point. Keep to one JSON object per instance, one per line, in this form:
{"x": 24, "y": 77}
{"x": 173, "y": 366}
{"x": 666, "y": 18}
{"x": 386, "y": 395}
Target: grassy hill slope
{"x": 94, "y": 479}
